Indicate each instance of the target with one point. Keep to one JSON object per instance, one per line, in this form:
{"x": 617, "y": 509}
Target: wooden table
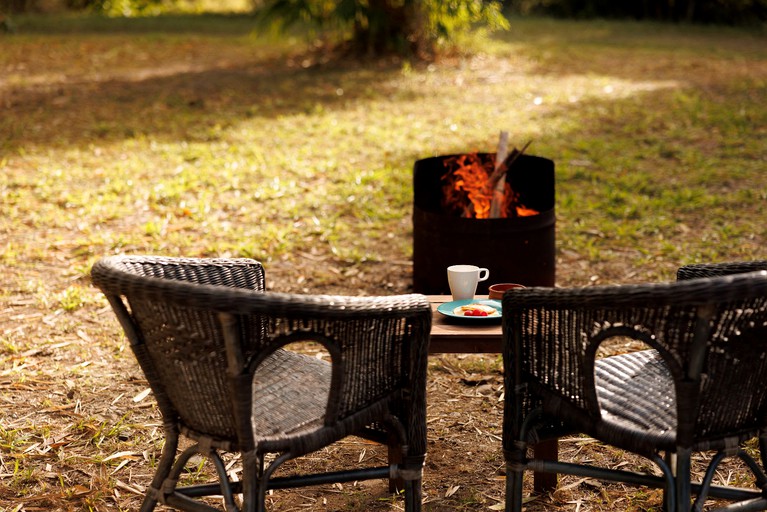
{"x": 452, "y": 336}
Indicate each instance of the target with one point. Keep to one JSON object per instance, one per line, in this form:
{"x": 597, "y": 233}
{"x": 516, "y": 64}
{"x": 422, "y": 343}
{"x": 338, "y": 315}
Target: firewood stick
{"x": 503, "y": 149}
{"x": 501, "y": 153}
{"x": 492, "y": 181}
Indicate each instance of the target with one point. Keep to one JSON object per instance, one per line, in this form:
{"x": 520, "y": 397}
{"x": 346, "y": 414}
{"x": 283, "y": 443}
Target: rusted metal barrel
{"x": 515, "y": 249}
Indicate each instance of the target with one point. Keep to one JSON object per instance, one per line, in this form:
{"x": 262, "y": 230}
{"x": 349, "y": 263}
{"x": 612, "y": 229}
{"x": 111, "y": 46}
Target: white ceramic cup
{"x": 463, "y": 280}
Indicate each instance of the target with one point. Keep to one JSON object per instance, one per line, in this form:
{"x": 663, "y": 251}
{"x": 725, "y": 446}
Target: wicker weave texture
{"x": 636, "y": 392}
{"x": 211, "y": 342}
{"x": 711, "y": 331}
{"x": 719, "y": 269}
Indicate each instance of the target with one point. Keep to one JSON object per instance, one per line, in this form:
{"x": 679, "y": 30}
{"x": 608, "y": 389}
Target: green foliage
{"x": 119, "y": 8}
{"x": 405, "y": 27}
{"x": 127, "y": 7}
{"x": 72, "y": 298}
{"x": 449, "y": 18}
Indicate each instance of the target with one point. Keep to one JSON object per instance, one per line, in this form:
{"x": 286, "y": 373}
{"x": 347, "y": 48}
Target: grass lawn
{"x": 197, "y": 137}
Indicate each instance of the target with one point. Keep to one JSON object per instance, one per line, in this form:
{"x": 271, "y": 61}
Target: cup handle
{"x": 483, "y": 274}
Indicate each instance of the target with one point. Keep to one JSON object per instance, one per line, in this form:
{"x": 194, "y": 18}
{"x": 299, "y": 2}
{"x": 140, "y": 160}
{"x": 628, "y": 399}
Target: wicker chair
{"x": 701, "y": 385}
{"x": 212, "y": 344}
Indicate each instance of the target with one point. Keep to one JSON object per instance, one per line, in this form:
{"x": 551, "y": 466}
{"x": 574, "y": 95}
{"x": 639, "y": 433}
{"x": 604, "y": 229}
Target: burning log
{"x": 498, "y": 191}
{"x": 469, "y": 188}
{"x": 505, "y": 165}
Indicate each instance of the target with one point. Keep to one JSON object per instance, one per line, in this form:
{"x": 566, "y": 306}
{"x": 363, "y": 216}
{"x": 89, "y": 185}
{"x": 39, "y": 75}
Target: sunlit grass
{"x": 297, "y": 158}
{"x": 319, "y": 154}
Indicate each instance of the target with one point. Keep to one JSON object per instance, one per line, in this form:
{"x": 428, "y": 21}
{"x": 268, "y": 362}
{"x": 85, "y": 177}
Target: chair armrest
{"x": 699, "y": 270}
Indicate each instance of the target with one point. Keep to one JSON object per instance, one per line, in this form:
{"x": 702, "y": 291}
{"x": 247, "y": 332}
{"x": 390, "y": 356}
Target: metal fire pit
{"x": 515, "y": 249}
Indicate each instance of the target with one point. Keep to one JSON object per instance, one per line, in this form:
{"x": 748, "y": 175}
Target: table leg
{"x": 548, "y": 449}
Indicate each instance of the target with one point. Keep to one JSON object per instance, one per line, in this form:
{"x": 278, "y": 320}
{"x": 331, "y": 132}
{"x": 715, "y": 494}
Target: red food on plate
{"x": 475, "y": 310}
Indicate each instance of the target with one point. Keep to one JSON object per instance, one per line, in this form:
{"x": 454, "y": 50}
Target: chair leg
{"x": 252, "y": 468}
{"x": 514, "y": 481}
{"x": 394, "y": 451}
{"x": 223, "y": 478}
{"x": 697, "y": 506}
{"x": 516, "y": 458}
{"x": 682, "y": 478}
{"x": 669, "y": 490}
{"x": 163, "y": 470}
{"x": 261, "y": 488}
{"x": 263, "y": 480}
{"x": 413, "y": 495}
{"x": 758, "y": 471}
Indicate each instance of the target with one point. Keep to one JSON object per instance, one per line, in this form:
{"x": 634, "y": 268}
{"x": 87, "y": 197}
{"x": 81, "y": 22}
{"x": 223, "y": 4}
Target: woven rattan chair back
{"x": 211, "y": 342}
{"x": 700, "y": 385}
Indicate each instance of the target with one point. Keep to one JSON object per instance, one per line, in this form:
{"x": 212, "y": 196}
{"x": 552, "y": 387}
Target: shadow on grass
{"x": 184, "y": 99}
{"x": 87, "y": 24}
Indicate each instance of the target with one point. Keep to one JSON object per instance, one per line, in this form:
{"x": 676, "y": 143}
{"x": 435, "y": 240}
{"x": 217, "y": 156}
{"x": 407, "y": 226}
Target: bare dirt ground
{"x": 79, "y": 431}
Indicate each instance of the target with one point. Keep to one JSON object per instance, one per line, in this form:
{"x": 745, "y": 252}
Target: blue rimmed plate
{"x": 448, "y": 307}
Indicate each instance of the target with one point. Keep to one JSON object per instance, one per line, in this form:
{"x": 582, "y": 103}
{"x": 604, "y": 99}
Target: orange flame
{"x": 464, "y": 192}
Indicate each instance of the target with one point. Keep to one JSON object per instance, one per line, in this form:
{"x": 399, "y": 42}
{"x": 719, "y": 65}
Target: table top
{"x": 450, "y": 335}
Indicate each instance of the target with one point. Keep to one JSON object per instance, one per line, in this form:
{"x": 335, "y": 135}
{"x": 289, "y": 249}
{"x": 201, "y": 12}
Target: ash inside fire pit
{"x": 517, "y": 247}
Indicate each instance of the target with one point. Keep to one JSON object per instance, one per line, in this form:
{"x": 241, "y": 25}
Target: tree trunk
{"x": 391, "y": 27}
{"x": 15, "y": 6}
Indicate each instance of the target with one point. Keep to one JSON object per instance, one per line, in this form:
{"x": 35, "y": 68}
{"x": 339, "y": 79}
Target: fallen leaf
{"x": 142, "y": 395}
{"x": 125, "y": 487}
{"x": 119, "y": 455}
{"x": 452, "y": 490}
{"x": 120, "y": 466}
